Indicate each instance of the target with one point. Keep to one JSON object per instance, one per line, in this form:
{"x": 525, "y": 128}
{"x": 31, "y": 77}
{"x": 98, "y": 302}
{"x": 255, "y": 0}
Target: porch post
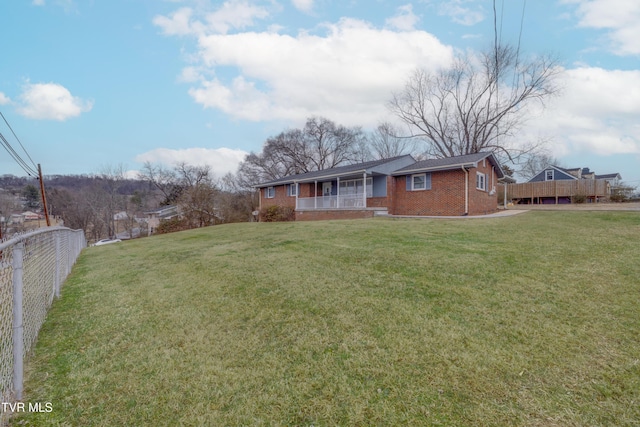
{"x": 315, "y": 194}
{"x": 297, "y": 191}
{"x": 338, "y": 194}
{"x": 364, "y": 188}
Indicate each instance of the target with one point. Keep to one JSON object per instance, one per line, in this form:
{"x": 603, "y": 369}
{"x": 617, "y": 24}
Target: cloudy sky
{"x": 88, "y": 85}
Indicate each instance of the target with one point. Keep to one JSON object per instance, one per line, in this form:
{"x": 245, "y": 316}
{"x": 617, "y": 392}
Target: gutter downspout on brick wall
{"x": 466, "y": 191}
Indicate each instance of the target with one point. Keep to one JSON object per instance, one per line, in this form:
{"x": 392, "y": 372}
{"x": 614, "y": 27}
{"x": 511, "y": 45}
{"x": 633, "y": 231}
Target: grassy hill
{"x": 526, "y": 320}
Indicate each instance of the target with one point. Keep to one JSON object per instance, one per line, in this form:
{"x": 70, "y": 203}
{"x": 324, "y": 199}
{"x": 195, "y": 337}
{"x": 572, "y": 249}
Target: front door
{"x": 326, "y": 194}
{"x": 326, "y": 188}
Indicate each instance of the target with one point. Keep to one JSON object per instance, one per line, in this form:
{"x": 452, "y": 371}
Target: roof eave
{"x": 436, "y": 168}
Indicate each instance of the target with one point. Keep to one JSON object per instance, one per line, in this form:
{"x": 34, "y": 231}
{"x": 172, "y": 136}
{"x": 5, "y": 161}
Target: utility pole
{"x": 44, "y": 198}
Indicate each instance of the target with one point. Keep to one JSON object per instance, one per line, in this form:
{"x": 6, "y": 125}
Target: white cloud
{"x": 346, "y": 74}
{"x": 463, "y": 12}
{"x": 221, "y": 160}
{"x": 597, "y": 112}
{"x": 619, "y": 17}
{"x": 233, "y": 14}
{"x": 50, "y": 101}
{"x": 4, "y": 99}
{"x": 38, "y": 2}
{"x": 303, "y": 5}
{"x": 404, "y": 20}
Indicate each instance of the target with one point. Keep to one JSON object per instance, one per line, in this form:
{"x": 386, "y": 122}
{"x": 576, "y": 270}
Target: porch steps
{"x": 381, "y": 212}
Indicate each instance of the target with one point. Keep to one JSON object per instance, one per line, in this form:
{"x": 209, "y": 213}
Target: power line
{"x": 24, "y": 165}
{"x": 14, "y": 154}
{"x": 18, "y": 139}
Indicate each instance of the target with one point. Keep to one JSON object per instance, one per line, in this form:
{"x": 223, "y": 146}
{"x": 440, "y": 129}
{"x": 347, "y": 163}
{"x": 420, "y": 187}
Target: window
{"x": 481, "y": 181}
{"x": 548, "y": 175}
{"x": 292, "y": 190}
{"x": 269, "y": 193}
{"x": 421, "y": 181}
{"x": 354, "y": 187}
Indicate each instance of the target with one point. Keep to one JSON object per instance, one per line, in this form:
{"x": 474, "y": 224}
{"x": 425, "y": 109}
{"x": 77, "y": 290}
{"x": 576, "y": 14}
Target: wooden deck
{"x": 556, "y": 191}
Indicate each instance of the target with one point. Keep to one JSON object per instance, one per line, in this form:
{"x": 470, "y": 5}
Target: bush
{"x": 172, "y": 225}
{"x": 277, "y": 213}
{"x": 578, "y": 198}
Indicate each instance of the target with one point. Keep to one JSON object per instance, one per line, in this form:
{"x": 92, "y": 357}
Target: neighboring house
{"x": 163, "y": 213}
{"x": 462, "y": 185}
{"x": 31, "y": 216}
{"x": 556, "y": 185}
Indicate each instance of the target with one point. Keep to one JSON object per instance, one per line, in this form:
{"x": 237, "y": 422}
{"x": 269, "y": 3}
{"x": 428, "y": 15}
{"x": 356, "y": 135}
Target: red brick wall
{"x": 319, "y": 215}
{"x": 377, "y": 202}
{"x": 280, "y": 199}
{"x": 481, "y": 202}
{"x": 447, "y": 195}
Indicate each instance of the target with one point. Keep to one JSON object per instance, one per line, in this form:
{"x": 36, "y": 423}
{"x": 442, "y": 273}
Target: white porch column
{"x": 364, "y": 189}
{"x": 315, "y": 194}
{"x": 297, "y": 191}
{"x": 338, "y": 194}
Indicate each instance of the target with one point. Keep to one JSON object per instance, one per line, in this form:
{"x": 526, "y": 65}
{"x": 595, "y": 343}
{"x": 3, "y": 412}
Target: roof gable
{"x": 559, "y": 174}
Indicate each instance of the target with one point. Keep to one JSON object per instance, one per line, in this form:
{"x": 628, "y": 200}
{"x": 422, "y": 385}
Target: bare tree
{"x": 386, "y": 142}
{"x": 191, "y": 188}
{"x": 535, "y": 163}
{"x": 162, "y": 179}
{"x": 197, "y": 194}
{"x": 321, "y": 144}
{"x": 477, "y": 104}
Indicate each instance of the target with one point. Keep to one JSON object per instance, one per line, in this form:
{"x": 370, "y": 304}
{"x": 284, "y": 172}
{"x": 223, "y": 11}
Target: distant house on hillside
{"x": 461, "y": 185}
{"x": 556, "y": 185}
{"x": 31, "y": 216}
{"x": 156, "y": 216}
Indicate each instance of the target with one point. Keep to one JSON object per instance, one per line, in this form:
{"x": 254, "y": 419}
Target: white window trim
{"x": 270, "y": 193}
{"x": 424, "y": 180}
{"x": 546, "y": 175}
{"x": 481, "y": 184}
{"x": 292, "y": 190}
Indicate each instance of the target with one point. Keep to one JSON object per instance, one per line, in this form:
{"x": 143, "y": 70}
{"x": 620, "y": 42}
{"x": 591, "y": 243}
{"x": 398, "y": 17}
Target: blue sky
{"x": 88, "y": 85}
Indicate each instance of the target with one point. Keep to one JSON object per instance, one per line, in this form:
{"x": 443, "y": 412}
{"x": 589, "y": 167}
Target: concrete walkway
{"x": 499, "y": 214}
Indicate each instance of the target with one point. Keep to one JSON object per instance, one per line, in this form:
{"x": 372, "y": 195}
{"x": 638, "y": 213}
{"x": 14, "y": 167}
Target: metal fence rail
{"x": 33, "y": 266}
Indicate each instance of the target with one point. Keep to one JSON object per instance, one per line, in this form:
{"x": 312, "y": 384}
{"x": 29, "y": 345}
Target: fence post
{"x": 56, "y": 280}
{"x": 18, "y": 341}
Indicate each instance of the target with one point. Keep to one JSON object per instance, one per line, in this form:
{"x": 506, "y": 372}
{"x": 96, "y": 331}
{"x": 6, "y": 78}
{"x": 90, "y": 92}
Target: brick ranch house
{"x": 454, "y": 186}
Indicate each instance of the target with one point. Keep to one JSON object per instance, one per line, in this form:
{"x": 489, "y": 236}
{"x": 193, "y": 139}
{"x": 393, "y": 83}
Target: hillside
{"x": 526, "y": 320}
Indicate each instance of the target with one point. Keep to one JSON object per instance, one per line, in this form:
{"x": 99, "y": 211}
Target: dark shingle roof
{"x": 450, "y": 163}
{"x": 337, "y": 171}
{"x": 609, "y": 176}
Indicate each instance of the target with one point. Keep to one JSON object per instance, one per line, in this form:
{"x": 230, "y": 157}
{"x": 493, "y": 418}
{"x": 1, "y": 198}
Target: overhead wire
{"x": 18, "y": 139}
{"x": 24, "y": 165}
{"x": 14, "y": 154}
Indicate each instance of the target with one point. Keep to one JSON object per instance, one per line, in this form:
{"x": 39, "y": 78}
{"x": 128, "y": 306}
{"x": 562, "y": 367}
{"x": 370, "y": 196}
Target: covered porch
{"x": 339, "y": 192}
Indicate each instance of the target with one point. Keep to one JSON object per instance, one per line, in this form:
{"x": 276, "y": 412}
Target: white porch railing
{"x": 350, "y": 201}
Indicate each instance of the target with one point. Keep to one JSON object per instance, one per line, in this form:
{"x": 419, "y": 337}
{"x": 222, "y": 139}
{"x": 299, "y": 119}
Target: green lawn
{"x": 520, "y": 321}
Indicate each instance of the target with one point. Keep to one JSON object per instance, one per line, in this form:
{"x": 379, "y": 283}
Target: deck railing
{"x": 590, "y": 188}
{"x": 349, "y": 201}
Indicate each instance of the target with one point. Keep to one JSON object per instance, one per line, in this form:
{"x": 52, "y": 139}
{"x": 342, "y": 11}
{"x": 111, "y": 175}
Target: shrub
{"x": 578, "y": 198}
{"x": 278, "y": 213}
{"x": 172, "y": 225}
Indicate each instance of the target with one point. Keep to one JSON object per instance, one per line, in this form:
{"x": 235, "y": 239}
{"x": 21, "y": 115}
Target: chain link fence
{"x": 33, "y": 267}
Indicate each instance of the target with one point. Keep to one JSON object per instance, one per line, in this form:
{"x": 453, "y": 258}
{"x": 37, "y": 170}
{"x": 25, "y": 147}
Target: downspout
{"x": 259, "y": 202}
{"x": 466, "y": 191}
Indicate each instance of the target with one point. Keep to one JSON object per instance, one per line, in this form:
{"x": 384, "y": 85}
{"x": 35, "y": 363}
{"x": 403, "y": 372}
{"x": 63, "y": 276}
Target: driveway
{"x": 581, "y": 207}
